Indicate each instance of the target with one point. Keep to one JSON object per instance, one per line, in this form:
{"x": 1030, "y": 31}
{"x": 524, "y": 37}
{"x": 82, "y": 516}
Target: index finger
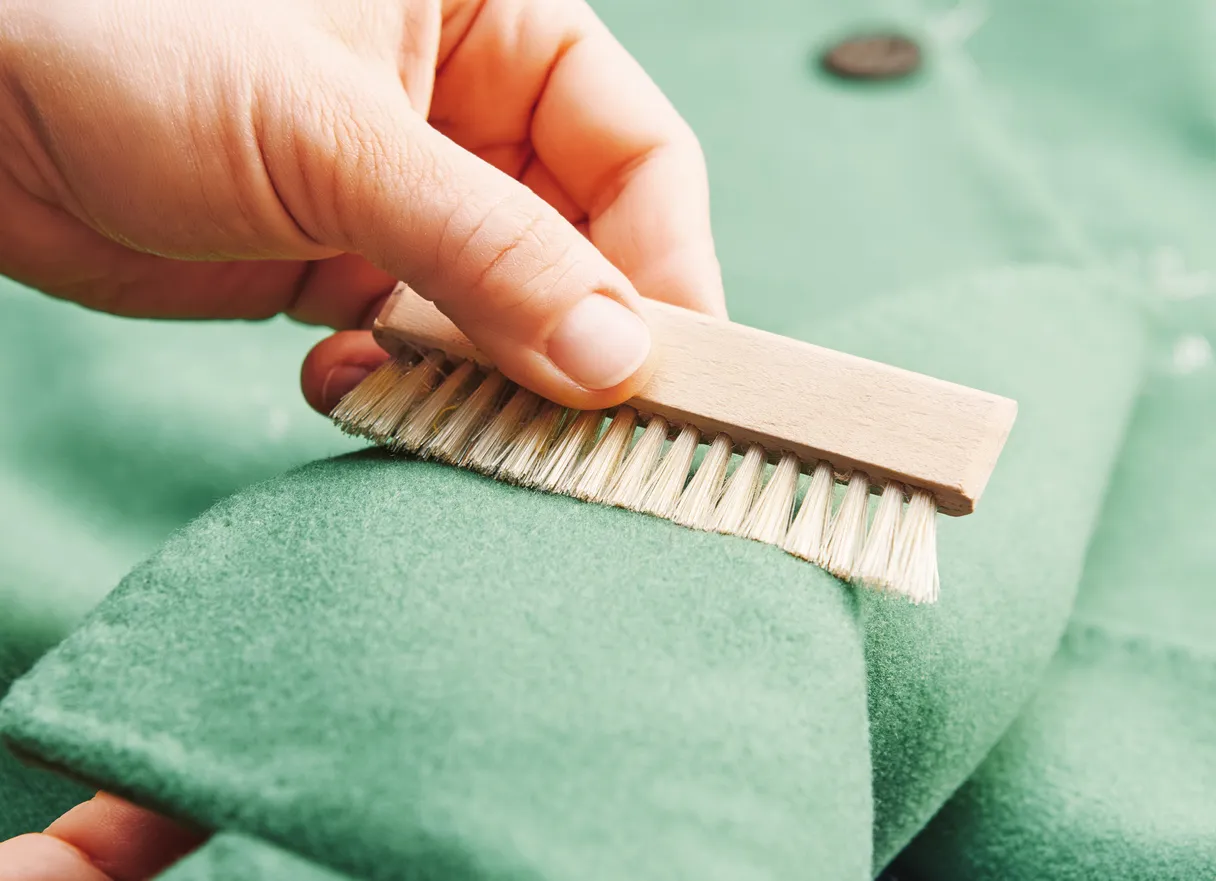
{"x": 120, "y": 840}
{"x": 621, "y": 151}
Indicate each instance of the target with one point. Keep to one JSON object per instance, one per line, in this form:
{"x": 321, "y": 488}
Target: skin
{"x": 205, "y": 159}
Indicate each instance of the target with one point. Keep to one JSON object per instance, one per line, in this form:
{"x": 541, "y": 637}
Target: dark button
{"x": 876, "y": 57}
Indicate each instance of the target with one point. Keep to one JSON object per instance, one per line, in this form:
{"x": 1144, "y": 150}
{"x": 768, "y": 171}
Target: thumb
{"x": 526, "y": 287}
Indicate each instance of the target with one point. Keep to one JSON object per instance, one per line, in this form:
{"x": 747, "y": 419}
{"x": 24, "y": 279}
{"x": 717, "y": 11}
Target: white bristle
{"x": 913, "y": 572}
{"x": 487, "y": 451}
{"x": 662, "y": 492}
{"x": 601, "y": 465}
{"x": 700, "y": 498}
{"x": 740, "y": 492}
{"x": 472, "y": 414}
{"x": 847, "y": 535}
{"x": 875, "y": 562}
{"x": 423, "y": 422}
{"x": 528, "y": 449}
{"x": 560, "y": 467}
{"x": 810, "y": 526}
{"x": 497, "y": 428}
{"x": 359, "y": 407}
{"x": 417, "y": 383}
{"x": 626, "y": 491}
{"x": 769, "y": 518}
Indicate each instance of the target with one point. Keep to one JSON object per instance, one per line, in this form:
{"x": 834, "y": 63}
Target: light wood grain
{"x": 788, "y": 396}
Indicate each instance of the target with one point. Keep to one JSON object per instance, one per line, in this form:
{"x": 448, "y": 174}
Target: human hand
{"x": 104, "y": 839}
{"x": 228, "y": 159}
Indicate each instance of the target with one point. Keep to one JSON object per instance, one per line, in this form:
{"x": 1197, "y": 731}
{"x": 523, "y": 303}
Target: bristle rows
{"x": 662, "y": 492}
{"x": 605, "y": 457}
{"x": 561, "y": 466}
{"x": 481, "y": 421}
{"x": 740, "y": 492}
{"x": 848, "y": 531}
{"x": 700, "y": 499}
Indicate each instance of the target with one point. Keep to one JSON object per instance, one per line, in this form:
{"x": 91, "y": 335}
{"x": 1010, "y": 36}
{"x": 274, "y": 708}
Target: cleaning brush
{"x": 764, "y": 414}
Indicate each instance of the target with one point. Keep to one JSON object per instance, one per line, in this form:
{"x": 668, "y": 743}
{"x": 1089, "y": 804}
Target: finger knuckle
{"x": 516, "y": 252}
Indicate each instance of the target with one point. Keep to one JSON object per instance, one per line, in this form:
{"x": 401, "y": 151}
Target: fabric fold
{"x": 1110, "y": 770}
{"x": 943, "y": 687}
{"x": 385, "y": 664}
{"x": 380, "y": 662}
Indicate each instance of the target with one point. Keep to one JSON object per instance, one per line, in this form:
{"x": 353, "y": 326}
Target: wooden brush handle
{"x": 787, "y": 396}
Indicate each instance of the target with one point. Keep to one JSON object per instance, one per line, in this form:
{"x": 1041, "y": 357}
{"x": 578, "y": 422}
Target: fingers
{"x": 546, "y": 80}
{"x": 343, "y": 292}
{"x": 45, "y": 858}
{"x": 120, "y": 840}
{"x": 336, "y": 365}
{"x": 618, "y": 147}
{"x": 521, "y": 282}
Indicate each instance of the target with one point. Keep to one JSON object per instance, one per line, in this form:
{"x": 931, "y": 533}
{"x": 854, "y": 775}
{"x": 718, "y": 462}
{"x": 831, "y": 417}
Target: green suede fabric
{"x": 29, "y": 799}
{"x": 1110, "y": 772}
{"x": 117, "y": 433}
{"x": 287, "y": 654}
{"x": 383, "y": 664}
{"x": 381, "y": 689}
{"x": 943, "y": 685}
{"x": 228, "y": 857}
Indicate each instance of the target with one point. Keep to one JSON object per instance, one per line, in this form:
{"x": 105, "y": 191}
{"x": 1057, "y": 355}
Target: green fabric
{"x": 1111, "y": 770}
{"x": 942, "y": 686}
{"x": 379, "y": 690}
{"x": 895, "y": 221}
{"x": 29, "y": 799}
{"x": 116, "y": 433}
{"x": 383, "y": 665}
{"x": 228, "y": 857}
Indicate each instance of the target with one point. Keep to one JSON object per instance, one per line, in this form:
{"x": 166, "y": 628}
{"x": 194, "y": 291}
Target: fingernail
{"x": 599, "y": 343}
{"x": 339, "y": 381}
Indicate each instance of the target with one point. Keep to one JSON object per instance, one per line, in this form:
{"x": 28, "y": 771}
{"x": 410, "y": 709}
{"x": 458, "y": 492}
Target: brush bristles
{"x": 696, "y": 506}
{"x": 740, "y": 492}
{"x": 527, "y": 451}
{"x": 769, "y": 520}
{"x": 662, "y": 493}
{"x": 913, "y": 571}
{"x": 848, "y": 532}
{"x": 557, "y": 472}
{"x": 386, "y": 413}
{"x": 810, "y": 527}
{"x": 357, "y": 410}
{"x": 485, "y": 423}
{"x": 486, "y": 453}
{"x": 423, "y": 422}
{"x": 627, "y": 487}
{"x": 605, "y": 457}
{"x": 450, "y": 442}
{"x": 875, "y": 563}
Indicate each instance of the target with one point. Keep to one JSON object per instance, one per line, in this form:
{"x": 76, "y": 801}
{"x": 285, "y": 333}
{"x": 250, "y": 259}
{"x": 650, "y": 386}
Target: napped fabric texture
{"x": 466, "y": 705}
{"x": 1073, "y": 134}
{"x": 391, "y": 666}
{"x": 1111, "y": 769}
{"x": 30, "y": 798}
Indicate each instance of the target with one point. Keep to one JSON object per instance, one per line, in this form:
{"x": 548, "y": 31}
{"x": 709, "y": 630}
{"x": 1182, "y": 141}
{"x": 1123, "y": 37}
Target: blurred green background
{"x": 1076, "y": 134}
